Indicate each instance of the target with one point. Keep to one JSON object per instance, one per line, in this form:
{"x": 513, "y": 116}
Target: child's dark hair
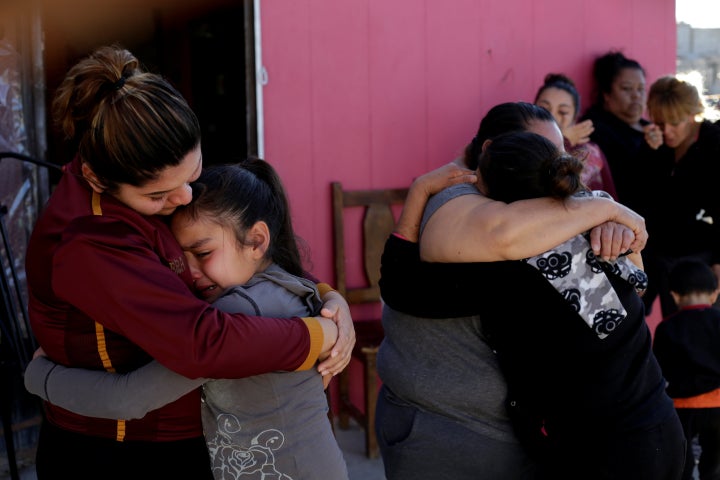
{"x": 561, "y": 82}
{"x": 503, "y": 118}
{"x": 237, "y": 196}
{"x": 522, "y": 165}
{"x": 692, "y": 276}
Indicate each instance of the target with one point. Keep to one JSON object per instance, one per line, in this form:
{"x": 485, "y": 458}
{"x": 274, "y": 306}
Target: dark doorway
{"x": 204, "y": 47}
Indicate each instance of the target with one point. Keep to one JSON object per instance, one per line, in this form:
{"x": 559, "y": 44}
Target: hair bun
{"x": 551, "y": 78}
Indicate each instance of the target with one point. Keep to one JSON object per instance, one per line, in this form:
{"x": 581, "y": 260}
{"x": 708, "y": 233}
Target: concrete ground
{"x": 351, "y": 442}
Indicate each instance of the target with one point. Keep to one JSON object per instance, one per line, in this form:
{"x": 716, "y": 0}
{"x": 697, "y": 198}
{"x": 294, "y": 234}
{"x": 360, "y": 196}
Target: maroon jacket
{"x": 109, "y": 289}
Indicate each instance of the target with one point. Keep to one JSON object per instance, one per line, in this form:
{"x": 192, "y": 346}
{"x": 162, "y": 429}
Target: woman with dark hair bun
{"x": 584, "y": 391}
{"x": 441, "y": 411}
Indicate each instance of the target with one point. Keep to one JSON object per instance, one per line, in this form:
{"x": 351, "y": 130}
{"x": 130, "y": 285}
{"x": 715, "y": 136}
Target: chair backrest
{"x": 378, "y": 221}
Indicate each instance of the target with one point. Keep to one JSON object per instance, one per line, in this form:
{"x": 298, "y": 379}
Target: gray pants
{"x": 418, "y": 445}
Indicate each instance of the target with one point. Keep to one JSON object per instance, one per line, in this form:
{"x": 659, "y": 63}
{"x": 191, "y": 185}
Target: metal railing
{"x": 17, "y": 342}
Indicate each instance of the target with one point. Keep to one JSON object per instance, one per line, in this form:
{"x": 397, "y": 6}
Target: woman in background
{"x": 686, "y": 219}
{"x": 619, "y": 126}
{"x": 620, "y": 129}
{"x": 559, "y": 96}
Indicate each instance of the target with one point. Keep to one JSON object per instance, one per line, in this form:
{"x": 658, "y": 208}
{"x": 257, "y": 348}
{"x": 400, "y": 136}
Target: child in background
{"x": 559, "y": 96}
{"x": 239, "y": 242}
{"x": 687, "y": 345}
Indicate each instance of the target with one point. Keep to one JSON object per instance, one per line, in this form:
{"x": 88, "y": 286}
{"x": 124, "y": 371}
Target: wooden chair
{"x": 376, "y": 224}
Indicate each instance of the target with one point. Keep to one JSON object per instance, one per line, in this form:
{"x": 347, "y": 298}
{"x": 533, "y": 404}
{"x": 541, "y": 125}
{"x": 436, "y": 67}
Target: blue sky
{"x": 698, "y": 13}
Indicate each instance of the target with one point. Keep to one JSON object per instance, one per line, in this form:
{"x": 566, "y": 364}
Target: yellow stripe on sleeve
{"x": 316, "y": 341}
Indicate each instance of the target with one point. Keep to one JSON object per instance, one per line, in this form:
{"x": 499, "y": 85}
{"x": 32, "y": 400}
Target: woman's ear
{"x": 258, "y": 237}
{"x": 92, "y": 179}
{"x": 485, "y": 144}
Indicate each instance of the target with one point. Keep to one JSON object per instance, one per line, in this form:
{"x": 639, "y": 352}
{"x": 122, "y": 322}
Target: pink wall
{"x": 375, "y": 92}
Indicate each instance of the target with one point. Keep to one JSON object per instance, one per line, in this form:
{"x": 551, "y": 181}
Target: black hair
{"x": 503, "y": 118}
{"x": 522, "y": 165}
{"x": 237, "y": 196}
{"x": 692, "y": 275}
{"x": 606, "y": 69}
{"x": 561, "y": 82}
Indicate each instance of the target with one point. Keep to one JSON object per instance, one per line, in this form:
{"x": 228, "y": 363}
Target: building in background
{"x": 698, "y": 52}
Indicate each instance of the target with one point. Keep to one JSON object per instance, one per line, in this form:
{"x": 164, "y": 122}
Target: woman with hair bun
{"x": 585, "y": 392}
{"x": 453, "y": 329}
{"x": 110, "y": 288}
{"x": 561, "y": 98}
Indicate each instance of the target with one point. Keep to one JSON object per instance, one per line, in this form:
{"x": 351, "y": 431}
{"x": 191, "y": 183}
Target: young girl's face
{"x": 217, "y": 261}
{"x": 560, "y": 104}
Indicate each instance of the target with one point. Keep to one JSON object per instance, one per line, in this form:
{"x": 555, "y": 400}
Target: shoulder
{"x": 439, "y": 200}
{"x": 273, "y": 293}
{"x": 449, "y": 193}
{"x": 275, "y": 279}
{"x": 115, "y": 231}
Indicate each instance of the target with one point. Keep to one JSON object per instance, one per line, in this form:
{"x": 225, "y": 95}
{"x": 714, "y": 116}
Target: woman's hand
{"x": 442, "y": 177}
{"x": 627, "y": 232}
{"x": 579, "y": 133}
{"x": 337, "y": 309}
{"x": 653, "y": 136}
{"x": 424, "y": 186}
{"x": 610, "y": 240}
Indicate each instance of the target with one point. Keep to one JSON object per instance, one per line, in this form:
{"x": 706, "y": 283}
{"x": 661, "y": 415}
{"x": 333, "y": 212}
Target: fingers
{"x": 641, "y": 238}
{"x": 653, "y": 136}
{"x": 628, "y": 237}
{"x": 610, "y": 240}
{"x": 326, "y": 381}
{"x": 443, "y": 177}
{"x": 334, "y": 365}
{"x": 579, "y": 133}
{"x": 342, "y": 350}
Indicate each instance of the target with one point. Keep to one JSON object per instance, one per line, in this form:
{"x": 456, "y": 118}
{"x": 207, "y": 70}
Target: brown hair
{"x": 127, "y": 124}
{"x": 671, "y": 99}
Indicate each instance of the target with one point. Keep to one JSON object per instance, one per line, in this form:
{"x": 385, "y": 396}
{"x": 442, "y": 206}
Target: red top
{"x": 126, "y": 272}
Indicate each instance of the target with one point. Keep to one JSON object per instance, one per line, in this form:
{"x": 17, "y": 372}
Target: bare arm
{"x": 408, "y": 225}
{"x": 473, "y": 228}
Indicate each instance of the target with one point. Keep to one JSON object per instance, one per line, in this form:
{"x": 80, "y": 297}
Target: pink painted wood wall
{"x": 375, "y": 92}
